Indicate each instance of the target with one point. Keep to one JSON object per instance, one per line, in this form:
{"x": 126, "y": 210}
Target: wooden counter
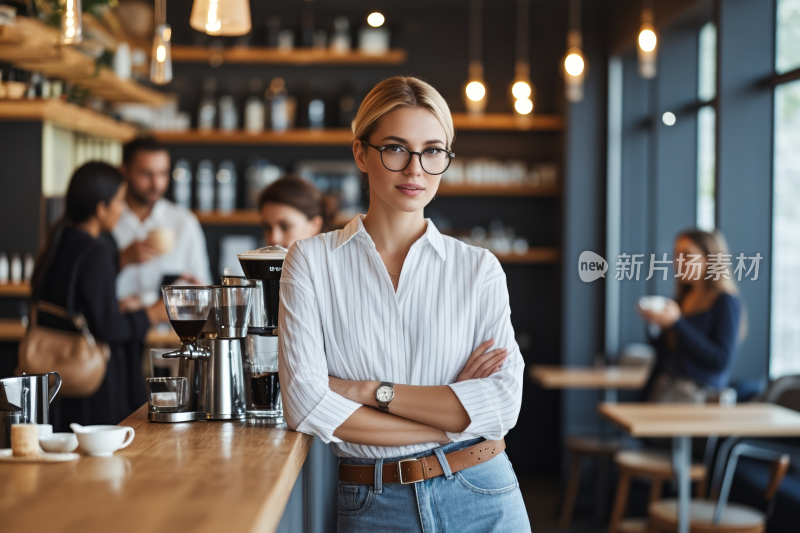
{"x": 196, "y": 476}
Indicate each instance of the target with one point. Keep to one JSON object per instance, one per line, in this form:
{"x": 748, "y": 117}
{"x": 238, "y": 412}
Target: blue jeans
{"x": 482, "y": 499}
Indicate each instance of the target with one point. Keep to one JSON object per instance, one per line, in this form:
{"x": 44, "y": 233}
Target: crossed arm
{"x": 412, "y": 421}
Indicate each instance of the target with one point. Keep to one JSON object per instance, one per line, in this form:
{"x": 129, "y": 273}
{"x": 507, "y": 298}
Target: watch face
{"x": 384, "y": 393}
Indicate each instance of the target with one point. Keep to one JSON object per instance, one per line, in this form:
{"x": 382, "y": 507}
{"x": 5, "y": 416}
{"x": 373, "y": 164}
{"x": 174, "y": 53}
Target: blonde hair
{"x": 712, "y": 243}
{"x": 401, "y": 91}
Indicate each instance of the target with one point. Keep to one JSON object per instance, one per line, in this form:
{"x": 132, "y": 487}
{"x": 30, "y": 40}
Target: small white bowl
{"x": 102, "y": 440}
{"x": 58, "y": 442}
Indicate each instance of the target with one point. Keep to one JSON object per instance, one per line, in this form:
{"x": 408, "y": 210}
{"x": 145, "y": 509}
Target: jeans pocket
{"x": 354, "y": 499}
{"x": 495, "y": 476}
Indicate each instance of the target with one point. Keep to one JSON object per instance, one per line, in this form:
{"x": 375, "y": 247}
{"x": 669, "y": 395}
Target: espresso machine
{"x": 211, "y": 322}
{"x": 262, "y": 269}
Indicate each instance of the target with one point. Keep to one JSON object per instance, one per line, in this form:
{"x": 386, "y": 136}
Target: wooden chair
{"x": 655, "y": 466}
{"x": 707, "y": 516}
{"x": 579, "y": 449}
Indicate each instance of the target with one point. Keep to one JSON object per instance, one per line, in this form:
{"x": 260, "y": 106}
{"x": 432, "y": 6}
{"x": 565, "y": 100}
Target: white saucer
{"x": 44, "y": 457}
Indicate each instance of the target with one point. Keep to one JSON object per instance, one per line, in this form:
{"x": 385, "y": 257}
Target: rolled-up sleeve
{"x": 309, "y": 405}
{"x": 493, "y": 403}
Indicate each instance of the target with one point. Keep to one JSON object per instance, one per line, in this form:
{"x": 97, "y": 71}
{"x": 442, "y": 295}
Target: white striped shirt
{"x": 340, "y": 316}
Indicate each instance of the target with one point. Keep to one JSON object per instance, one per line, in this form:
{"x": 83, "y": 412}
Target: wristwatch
{"x": 384, "y": 395}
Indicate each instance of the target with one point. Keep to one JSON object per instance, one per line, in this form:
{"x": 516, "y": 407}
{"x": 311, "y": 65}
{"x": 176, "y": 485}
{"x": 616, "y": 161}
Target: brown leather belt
{"x": 416, "y": 470}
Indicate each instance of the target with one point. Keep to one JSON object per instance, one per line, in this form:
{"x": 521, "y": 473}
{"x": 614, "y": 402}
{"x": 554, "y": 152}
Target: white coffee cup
{"x": 653, "y": 303}
{"x": 163, "y": 240}
{"x": 58, "y": 442}
{"x": 102, "y": 440}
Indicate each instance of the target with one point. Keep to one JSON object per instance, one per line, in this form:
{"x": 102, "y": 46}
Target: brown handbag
{"x": 75, "y": 355}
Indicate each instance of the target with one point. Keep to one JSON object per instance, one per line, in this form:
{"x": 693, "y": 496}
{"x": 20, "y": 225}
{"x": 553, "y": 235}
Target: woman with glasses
{"x": 396, "y": 342}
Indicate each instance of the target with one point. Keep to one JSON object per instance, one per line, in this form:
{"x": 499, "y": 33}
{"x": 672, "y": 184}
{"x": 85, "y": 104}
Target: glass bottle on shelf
{"x": 254, "y": 108}
{"x": 347, "y": 107}
{"x": 340, "y": 41}
{"x": 182, "y": 183}
{"x": 205, "y": 186}
{"x": 316, "y": 114}
{"x": 279, "y": 104}
{"x": 207, "y": 114}
{"x": 273, "y": 31}
{"x": 307, "y": 28}
{"x": 226, "y": 186}
{"x": 228, "y": 117}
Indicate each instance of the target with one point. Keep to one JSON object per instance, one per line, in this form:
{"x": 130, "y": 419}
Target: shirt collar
{"x": 356, "y": 226}
{"x": 155, "y": 214}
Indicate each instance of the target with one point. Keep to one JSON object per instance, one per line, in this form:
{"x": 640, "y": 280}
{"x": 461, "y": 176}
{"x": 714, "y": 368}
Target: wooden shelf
{"x": 32, "y": 45}
{"x": 467, "y": 189}
{"x": 11, "y": 329}
{"x": 8, "y": 290}
{"x": 240, "y": 217}
{"x": 69, "y": 116}
{"x": 325, "y": 137}
{"x": 507, "y": 122}
{"x": 273, "y": 56}
{"x": 531, "y": 257}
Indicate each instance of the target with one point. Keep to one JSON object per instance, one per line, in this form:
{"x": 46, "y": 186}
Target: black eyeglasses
{"x": 396, "y": 158}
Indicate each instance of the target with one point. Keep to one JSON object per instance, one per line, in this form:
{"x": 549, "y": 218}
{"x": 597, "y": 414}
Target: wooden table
{"x": 196, "y": 476}
{"x": 684, "y": 421}
{"x": 564, "y": 377}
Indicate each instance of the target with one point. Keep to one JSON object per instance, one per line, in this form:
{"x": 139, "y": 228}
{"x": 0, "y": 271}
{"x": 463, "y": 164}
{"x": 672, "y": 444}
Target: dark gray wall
{"x": 584, "y": 228}
{"x": 21, "y": 185}
{"x": 744, "y": 161}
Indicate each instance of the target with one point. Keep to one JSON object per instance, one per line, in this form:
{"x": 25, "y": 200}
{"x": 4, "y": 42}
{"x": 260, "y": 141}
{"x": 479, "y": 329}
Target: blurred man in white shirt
{"x": 158, "y": 239}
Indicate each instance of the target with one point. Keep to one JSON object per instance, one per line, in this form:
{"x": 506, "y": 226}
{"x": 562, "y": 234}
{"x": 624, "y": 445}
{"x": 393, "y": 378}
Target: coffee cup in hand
{"x": 163, "y": 240}
{"x": 653, "y": 303}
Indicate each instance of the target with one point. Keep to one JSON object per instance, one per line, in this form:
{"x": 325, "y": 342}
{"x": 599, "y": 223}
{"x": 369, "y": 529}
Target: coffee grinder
{"x": 263, "y": 268}
{"x": 210, "y": 355}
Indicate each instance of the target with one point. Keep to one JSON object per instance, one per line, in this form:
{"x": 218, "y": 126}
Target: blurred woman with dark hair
{"x": 695, "y": 335}
{"x": 292, "y": 209}
{"x": 78, "y": 272}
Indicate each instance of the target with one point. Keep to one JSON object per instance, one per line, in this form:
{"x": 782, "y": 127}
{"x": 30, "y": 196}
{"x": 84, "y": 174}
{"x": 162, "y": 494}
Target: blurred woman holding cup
{"x": 696, "y": 334}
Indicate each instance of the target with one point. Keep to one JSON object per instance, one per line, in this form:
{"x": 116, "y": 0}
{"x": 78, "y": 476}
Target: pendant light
{"x": 522, "y": 89}
{"x": 647, "y": 50}
{"x": 475, "y": 89}
{"x": 574, "y": 61}
{"x": 221, "y": 17}
{"x": 71, "y": 22}
{"x": 161, "y": 60}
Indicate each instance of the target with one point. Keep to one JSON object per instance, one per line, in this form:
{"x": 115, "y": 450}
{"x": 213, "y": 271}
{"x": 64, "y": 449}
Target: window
{"x": 787, "y": 47}
{"x": 785, "y": 312}
{"x": 785, "y": 324}
{"x": 706, "y": 127}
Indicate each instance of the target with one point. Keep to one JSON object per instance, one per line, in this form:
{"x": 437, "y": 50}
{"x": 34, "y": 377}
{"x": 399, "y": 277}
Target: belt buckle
{"x": 400, "y": 472}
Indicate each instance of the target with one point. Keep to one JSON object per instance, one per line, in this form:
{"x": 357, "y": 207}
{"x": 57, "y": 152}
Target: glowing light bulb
{"x": 523, "y": 106}
{"x": 70, "y": 32}
{"x": 668, "y": 118}
{"x": 161, "y": 54}
{"x": 475, "y": 91}
{"x": 574, "y": 64}
{"x": 521, "y": 90}
{"x": 375, "y": 19}
{"x": 647, "y": 40}
{"x": 213, "y": 23}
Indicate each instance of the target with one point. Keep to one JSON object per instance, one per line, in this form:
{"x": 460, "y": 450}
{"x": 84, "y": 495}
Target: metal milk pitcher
{"x": 31, "y": 395}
